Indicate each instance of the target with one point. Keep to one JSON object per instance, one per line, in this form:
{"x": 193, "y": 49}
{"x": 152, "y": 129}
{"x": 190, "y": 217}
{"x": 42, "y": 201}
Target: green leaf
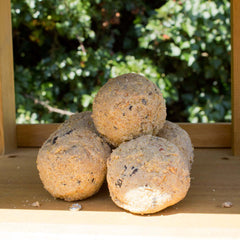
{"x": 174, "y": 50}
{"x": 188, "y": 27}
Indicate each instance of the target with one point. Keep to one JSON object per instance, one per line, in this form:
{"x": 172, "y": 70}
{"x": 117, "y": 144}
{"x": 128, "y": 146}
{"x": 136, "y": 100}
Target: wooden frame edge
{"x": 208, "y": 135}
{"x": 235, "y": 75}
{"x": 7, "y": 93}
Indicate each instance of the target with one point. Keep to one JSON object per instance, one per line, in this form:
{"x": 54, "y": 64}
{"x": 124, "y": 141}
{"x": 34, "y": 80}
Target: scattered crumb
{"x": 214, "y": 190}
{"x": 227, "y": 204}
{"x": 75, "y": 207}
{"x": 35, "y": 204}
{"x": 18, "y": 167}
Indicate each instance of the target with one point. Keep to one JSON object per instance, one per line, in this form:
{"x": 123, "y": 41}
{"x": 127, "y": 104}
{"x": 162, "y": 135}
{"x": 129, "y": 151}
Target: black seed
{"x": 130, "y": 107}
{"x": 150, "y": 93}
{"x": 74, "y": 146}
{"x": 78, "y": 181}
{"x": 54, "y": 140}
{"x": 93, "y": 180}
{"x": 125, "y": 167}
{"x": 146, "y": 117}
{"x": 64, "y": 184}
{"x": 118, "y": 183}
{"x": 144, "y": 101}
{"x": 67, "y": 133}
{"x": 115, "y": 127}
{"x": 132, "y": 167}
{"x": 133, "y": 172}
{"x": 123, "y": 114}
{"x": 91, "y": 172}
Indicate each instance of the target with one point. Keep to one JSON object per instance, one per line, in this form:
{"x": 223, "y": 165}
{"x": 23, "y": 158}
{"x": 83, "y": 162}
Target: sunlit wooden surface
{"x": 215, "y": 179}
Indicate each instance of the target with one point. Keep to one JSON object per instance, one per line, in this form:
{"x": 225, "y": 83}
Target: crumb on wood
{"x": 227, "y": 204}
{"x": 75, "y": 207}
{"x": 35, "y": 204}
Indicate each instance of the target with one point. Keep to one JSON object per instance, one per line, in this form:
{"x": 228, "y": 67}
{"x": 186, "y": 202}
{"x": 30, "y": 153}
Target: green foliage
{"x": 65, "y": 52}
{"x": 191, "y": 42}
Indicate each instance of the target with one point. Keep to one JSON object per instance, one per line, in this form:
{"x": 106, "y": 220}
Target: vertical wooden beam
{"x": 7, "y": 93}
{"x": 235, "y": 24}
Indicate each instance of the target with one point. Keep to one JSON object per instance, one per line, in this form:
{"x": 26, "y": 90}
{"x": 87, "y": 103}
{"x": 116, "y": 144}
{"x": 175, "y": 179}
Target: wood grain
{"x": 33, "y": 135}
{"x": 7, "y": 95}
{"x": 202, "y": 135}
{"x": 235, "y": 23}
{"x": 209, "y": 134}
{"x": 215, "y": 179}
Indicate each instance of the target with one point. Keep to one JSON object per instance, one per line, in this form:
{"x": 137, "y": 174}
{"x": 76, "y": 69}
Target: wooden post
{"x": 235, "y": 24}
{"x": 7, "y": 94}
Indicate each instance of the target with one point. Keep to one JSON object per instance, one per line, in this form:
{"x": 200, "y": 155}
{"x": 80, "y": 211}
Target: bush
{"x": 64, "y": 53}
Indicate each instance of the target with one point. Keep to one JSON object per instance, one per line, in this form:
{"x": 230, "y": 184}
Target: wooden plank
{"x": 235, "y": 11}
{"x": 7, "y": 100}
{"x": 33, "y": 135}
{"x": 215, "y": 179}
{"x": 202, "y": 135}
{"x": 209, "y": 134}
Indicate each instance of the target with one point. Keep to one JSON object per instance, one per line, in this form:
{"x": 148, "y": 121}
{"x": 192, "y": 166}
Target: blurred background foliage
{"x": 65, "y": 50}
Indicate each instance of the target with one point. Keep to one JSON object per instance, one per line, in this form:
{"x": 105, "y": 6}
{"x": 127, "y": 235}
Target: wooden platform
{"x": 215, "y": 179}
